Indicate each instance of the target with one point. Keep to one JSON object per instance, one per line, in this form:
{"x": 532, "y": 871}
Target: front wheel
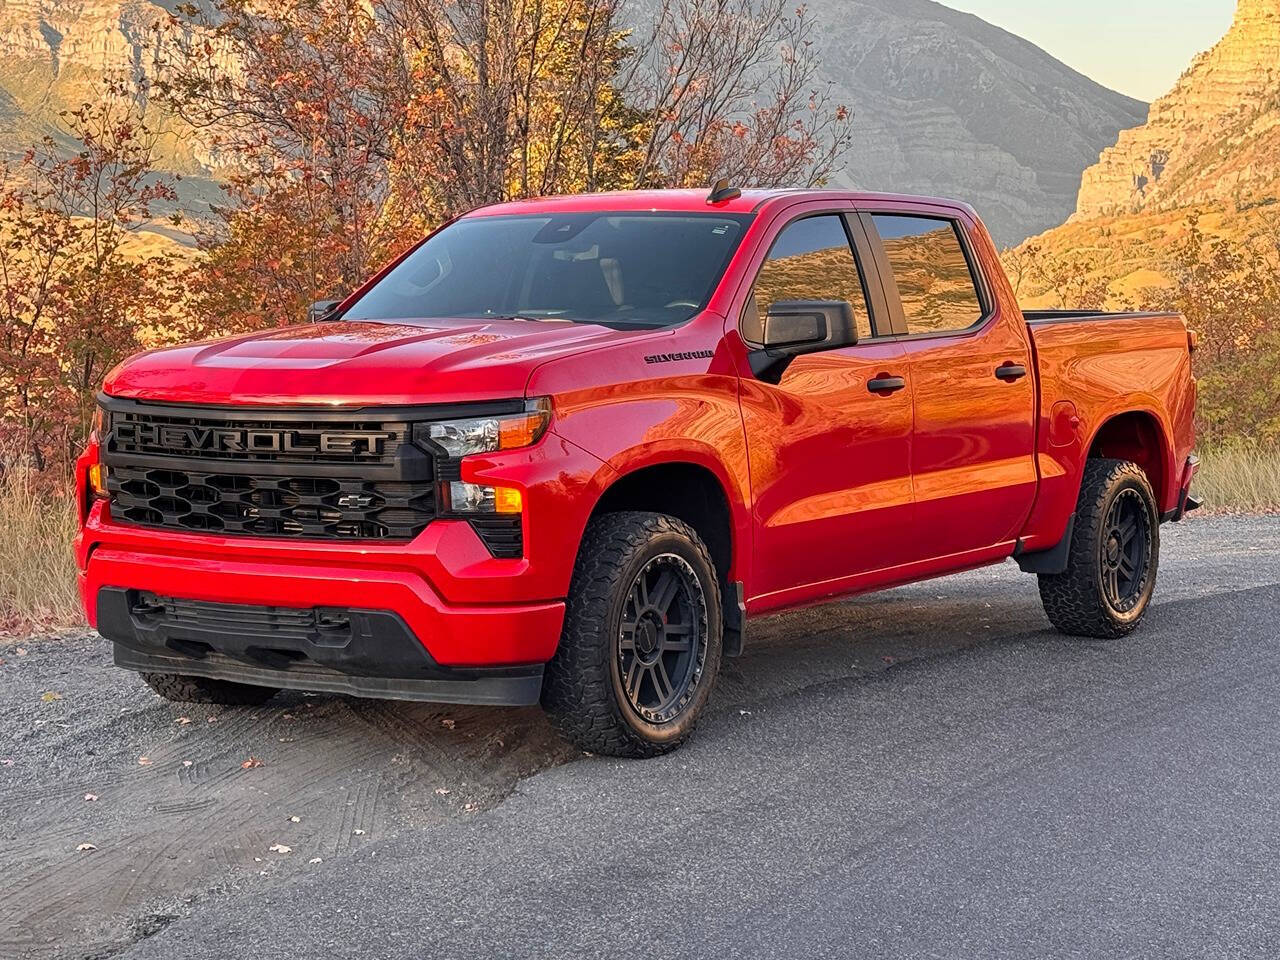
{"x": 642, "y": 638}
{"x": 1115, "y": 555}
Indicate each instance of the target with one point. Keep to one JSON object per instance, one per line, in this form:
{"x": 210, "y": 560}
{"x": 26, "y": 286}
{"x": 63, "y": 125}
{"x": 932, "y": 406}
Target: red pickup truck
{"x": 563, "y": 449}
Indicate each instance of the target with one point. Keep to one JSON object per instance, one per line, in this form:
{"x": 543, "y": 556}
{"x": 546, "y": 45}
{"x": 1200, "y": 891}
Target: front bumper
{"x": 465, "y": 607}
{"x": 470, "y": 633}
{"x": 367, "y": 653}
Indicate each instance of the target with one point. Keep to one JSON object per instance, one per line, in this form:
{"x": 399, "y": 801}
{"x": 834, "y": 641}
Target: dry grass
{"x": 1240, "y": 479}
{"x": 37, "y": 569}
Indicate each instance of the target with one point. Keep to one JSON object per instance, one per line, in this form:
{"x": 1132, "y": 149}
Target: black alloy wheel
{"x": 1126, "y": 551}
{"x": 642, "y": 639}
{"x": 661, "y": 647}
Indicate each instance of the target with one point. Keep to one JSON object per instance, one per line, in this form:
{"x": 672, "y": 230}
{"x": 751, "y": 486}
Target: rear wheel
{"x": 1115, "y": 555}
{"x": 185, "y": 689}
{"x": 642, "y": 638}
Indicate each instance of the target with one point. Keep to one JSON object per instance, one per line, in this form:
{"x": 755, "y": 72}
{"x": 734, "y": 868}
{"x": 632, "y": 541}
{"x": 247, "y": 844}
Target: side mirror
{"x": 794, "y": 328}
{"x": 322, "y": 311}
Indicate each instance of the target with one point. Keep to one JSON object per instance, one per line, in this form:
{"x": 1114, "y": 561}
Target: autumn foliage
{"x": 1229, "y": 292}
{"x": 73, "y": 299}
{"x": 1227, "y": 287}
{"x": 354, "y": 126}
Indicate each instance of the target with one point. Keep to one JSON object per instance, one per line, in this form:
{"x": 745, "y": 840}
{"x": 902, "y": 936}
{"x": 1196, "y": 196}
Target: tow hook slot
{"x": 146, "y": 606}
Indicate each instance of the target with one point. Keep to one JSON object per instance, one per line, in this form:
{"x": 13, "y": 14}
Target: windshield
{"x": 645, "y": 270}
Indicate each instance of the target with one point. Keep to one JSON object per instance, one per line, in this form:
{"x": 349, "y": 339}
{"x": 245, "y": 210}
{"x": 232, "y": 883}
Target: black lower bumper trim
{"x": 509, "y": 690}
{"x": 369, "y": 653}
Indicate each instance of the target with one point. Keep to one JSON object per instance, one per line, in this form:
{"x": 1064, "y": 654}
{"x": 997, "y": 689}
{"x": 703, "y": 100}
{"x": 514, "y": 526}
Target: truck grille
{"x": 320, "y": 508}
{"x": 290, "y": 474}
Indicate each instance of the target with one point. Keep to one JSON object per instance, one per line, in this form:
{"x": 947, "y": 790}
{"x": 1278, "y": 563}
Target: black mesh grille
{"x": 315, "y": 474}
{"x": 200, "y": 501}
{"x": 201, "y": 616}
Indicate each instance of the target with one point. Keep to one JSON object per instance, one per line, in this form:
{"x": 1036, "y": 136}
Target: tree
{"x": 72, "y": 302}
{"x": 729, "y": 88}
{"x": 353, "y": 125}
{"x": 514, "y": 98}
{"x": 305, "y": 102}
{"x": 1229, "y": 291}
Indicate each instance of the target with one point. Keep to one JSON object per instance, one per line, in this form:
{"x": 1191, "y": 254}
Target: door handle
{"x": 887, "y": 384}
{"x": 1011, "y": 372}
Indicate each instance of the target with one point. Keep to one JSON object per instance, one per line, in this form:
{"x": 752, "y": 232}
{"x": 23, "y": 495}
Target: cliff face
{"x": 94, "y": 34}
{"x": 947, "y": 104}
{"x": 53, "y": 57}
{"x": 1215, "y": 138}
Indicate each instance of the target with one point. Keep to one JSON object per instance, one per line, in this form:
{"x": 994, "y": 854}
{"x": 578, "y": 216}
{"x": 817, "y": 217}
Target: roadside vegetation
{"x": 37, "y": 569}
{"x": 1240, "y": 478}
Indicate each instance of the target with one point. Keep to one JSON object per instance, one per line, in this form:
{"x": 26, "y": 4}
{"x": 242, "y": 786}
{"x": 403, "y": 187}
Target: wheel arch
{"x": 1138, "y": 436}
{"x": 698, "y": 495}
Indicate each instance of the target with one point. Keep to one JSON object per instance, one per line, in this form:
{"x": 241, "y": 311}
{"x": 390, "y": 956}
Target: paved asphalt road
{"x": 927, "y": 773}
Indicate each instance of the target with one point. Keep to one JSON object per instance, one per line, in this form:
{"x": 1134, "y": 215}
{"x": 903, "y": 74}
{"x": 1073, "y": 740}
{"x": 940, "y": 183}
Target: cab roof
{"x": 675, "y": 201}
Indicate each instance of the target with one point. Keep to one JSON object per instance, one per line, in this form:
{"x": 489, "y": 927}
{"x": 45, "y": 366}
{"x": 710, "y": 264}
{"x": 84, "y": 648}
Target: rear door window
{"x": 935, "y": 280}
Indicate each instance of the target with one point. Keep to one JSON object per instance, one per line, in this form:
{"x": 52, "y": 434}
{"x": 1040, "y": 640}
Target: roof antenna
{"x": 722, "y": 192}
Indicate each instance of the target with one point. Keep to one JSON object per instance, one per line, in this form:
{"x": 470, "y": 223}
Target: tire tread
{"x": 1073, "y": 600}
{"x": 577, "y": 688}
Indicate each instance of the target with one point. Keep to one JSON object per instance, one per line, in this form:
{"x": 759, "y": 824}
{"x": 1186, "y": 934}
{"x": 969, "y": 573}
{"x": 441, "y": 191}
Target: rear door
{"x": 972, "y": 462}
{"x": 830, "y": 443}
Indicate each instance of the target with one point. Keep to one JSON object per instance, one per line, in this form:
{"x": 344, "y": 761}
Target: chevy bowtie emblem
{"x": 355, "y": 501}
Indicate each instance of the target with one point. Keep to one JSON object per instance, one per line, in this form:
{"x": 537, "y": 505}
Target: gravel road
{"x": 926, "y": 772}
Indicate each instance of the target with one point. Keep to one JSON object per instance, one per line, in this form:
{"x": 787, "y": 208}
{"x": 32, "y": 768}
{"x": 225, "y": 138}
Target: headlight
{"x": 471, "y": 498}
{"x": 460, "y": 438}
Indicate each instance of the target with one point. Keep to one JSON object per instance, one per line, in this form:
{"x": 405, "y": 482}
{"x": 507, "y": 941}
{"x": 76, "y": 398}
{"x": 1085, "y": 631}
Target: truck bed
{"x": 1044, "y": 317}
{"x": 1093, "y": 365}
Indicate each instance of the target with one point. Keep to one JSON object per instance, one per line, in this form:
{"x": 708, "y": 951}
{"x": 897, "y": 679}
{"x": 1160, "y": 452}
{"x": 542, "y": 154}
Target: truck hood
{"x": 361, "y": 363}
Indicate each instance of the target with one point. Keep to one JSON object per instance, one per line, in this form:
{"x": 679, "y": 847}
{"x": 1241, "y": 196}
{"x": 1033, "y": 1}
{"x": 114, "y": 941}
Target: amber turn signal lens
{"x": 520, "y": 431}
{"x": 98, "y": 480}
{"x": 526, "y": 429}
{"x": 507, "y": 500}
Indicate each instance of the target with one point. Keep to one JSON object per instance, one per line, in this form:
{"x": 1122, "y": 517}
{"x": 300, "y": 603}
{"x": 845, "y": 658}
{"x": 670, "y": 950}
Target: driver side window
{"x": 812, "y": 259}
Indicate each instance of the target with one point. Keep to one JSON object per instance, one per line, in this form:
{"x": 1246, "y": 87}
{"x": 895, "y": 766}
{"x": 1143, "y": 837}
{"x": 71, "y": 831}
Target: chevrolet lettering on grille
{"x": 184, "y": 439}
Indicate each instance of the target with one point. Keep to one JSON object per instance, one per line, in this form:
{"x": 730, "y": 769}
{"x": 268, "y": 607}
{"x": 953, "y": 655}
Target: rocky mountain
{"x": 1210, "y": 150}
{"x": 54, "y": 53}
{"x": 950, "y": 105}
{"x": 1214, "y": 138}
{"x": 944, "y": 103}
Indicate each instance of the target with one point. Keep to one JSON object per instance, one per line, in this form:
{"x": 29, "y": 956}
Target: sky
{"x": 1139, "y": 47}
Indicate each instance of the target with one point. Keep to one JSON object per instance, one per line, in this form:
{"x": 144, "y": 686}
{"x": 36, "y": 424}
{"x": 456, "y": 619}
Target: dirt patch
{"x": 177, "y": 801}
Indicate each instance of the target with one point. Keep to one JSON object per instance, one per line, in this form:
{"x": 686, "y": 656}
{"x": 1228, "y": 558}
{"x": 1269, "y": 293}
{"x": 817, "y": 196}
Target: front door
{"x": 830, "y": 443}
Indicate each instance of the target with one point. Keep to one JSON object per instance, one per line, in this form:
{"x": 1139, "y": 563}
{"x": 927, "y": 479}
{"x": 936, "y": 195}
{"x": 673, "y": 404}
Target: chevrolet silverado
{"x": 563, "y": 450}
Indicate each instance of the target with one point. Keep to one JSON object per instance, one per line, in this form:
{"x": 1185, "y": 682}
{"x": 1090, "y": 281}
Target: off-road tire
{"x": 225, "y": 693}
{"x": 583, "y": 688}
{"x": 1078, "y": 602}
